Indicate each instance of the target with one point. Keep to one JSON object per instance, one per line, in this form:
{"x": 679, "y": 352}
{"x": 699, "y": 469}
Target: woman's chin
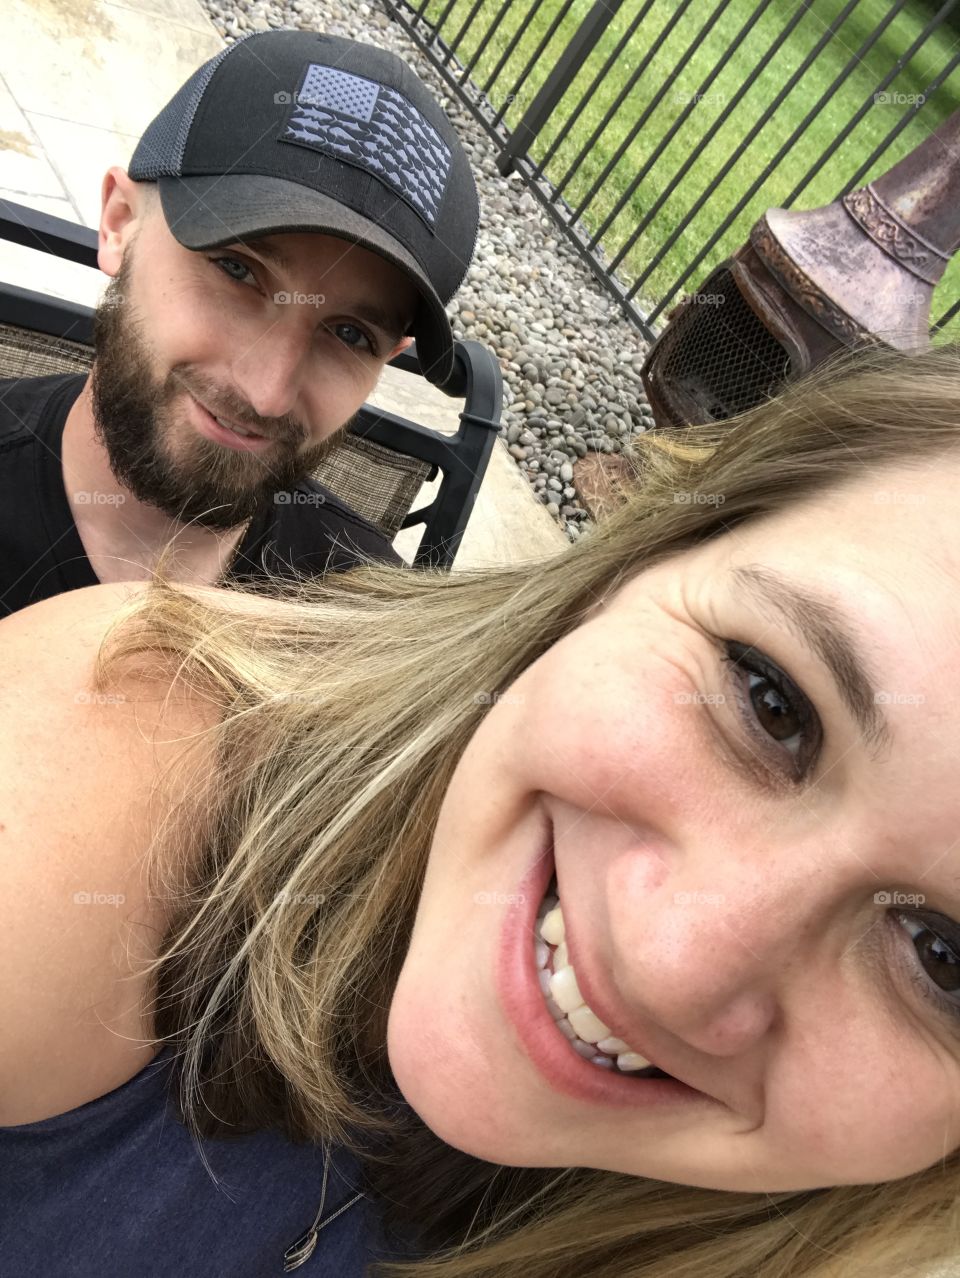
{"x": 455, "y": 1093}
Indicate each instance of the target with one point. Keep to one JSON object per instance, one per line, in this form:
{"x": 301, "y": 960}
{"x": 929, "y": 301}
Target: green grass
{"x": 664, "y": 92}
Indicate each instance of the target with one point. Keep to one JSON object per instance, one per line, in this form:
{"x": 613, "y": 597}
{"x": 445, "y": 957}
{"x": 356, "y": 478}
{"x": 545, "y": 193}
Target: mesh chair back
{"x": 377, "y": 482}
{"x": 27, "y": 354}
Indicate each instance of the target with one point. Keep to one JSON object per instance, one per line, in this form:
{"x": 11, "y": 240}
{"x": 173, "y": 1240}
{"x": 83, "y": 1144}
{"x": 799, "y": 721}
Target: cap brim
{"x": 208, "y": 212}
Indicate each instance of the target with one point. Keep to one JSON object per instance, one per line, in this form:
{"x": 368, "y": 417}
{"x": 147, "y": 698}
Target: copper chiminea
{"x": 859, "y": 270}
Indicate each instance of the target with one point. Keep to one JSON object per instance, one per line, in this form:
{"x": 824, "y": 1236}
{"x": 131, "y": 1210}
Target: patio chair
{"x": 380, "y": 464}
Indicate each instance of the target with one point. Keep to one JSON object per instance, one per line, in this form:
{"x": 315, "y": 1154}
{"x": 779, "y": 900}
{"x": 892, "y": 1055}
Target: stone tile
{"x": 95, "y": 63}
{"x": 26, "y": 175}
{"x": 416, "y": 398}
{"x": 185, "y": 13}
{"x": 507, "y": 523}
{"x": 82, "y": 153}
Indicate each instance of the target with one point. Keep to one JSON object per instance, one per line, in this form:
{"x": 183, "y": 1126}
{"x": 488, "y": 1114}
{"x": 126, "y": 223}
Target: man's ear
{"x": 123, "y": 206}
{"x": 400, "y": 346}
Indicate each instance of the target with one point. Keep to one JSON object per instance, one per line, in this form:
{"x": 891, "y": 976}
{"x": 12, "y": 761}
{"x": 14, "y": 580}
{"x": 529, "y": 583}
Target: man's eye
{"x": 355, "y": 337}
{"x": 234, "y": 268}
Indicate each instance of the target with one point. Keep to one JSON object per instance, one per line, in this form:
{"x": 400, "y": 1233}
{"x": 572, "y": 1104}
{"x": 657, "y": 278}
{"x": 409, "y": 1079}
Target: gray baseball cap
{"x": 301, "y": 131}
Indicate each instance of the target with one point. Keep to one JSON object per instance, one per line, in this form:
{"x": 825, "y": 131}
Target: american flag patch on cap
{"x": 374, "y": 128}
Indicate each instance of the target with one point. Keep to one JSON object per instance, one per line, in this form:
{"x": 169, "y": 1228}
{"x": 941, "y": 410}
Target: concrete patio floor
{"x": 79, "y": 82}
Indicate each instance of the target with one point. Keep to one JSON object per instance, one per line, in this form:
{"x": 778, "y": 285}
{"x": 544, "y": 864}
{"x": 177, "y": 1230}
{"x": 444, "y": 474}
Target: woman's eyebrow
{"x": 829, "y": 634}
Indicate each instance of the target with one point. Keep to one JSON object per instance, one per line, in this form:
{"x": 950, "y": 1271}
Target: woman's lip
{"x": 522, "y": 999}
{"x": 214, "y": 430}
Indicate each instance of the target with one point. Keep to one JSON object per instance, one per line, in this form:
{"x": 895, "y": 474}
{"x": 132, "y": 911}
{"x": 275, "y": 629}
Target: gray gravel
{"x": 570, "y": 360}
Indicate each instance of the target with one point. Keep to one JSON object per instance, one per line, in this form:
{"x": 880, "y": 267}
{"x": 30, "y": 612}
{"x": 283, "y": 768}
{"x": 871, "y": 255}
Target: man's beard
{"x": 155, "y": 451}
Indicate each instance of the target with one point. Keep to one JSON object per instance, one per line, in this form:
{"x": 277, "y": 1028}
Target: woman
{"x": 709, "y": 748}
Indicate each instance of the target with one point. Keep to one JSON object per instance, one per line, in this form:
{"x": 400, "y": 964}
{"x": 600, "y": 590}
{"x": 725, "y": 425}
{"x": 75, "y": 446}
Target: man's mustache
{"x": 225, "y": 405}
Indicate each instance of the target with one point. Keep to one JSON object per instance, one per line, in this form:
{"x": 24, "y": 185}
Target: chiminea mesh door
{"x": 715, "y": 358}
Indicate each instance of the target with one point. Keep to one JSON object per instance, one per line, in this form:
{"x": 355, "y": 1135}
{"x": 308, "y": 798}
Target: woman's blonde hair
{"x": 340, "y": 715}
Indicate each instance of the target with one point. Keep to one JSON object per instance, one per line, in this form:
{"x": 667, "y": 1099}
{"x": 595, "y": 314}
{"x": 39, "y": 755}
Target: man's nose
{"x": 710, "y": 957}
{"x": 271, "y": 369}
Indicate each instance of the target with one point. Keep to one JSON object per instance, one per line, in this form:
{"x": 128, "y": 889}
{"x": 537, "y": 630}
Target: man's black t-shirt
{"x": 42, "y": 554}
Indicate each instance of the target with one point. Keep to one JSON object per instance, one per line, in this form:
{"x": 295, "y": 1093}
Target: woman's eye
{"x": 354, "y": 337}
{"x": 937, "y": 948}
{"x": 774, "y": 708}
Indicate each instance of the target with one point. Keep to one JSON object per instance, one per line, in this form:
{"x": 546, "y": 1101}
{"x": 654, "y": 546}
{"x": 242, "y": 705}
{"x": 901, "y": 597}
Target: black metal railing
{"x": 655, "y": 136}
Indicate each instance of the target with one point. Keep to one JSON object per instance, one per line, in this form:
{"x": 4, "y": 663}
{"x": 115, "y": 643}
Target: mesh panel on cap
{"x": 160, "y": 150}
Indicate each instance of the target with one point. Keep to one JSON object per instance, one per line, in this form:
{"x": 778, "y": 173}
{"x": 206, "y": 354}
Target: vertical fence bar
{"x": 534, "y": 58}
{"x": 674, "y": 129}
{"x": 825, "y": 38}
{"x": 442, "y": 20}
{"x": 761, "y": 64}
{"x": 901, "y": 124}
{"x": 557, "y": 83}
{"x": 946, "y": 317}
{"x": 468, "y": 21}
{"x": 598, "y": 79}
{"x": 481, "y": 47}
{"x": 621, "y": 97}
{"x": 852, "y": 123}
{"x": 508, "y": 51}
{"x": 651, "y": 106}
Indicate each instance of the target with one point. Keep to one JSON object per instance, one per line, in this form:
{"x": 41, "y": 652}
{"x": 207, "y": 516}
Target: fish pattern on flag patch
{"x": 375, "y": 128}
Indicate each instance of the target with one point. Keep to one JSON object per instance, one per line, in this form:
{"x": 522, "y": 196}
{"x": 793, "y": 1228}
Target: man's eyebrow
{"x": 830, "y": 634}
{"x": 387, "y": 321}
{"x": 272, "y": 252}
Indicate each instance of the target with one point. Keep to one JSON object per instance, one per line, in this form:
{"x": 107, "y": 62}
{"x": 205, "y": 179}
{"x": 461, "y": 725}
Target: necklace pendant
{"x": 299, "y": 1253}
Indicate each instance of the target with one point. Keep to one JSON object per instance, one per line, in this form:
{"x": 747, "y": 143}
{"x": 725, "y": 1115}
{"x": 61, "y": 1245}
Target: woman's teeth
{"x": 587, "y": 1033}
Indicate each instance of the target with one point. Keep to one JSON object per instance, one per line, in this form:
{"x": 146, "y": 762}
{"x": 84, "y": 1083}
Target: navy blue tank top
{"x": 118, "y": 1187}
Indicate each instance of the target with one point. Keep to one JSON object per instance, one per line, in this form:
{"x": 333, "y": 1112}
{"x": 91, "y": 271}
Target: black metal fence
{"x": 655, "y": 136}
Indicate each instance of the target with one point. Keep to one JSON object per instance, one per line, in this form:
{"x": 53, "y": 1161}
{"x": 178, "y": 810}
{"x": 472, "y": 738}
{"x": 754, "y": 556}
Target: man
{"x": 298, "y": 214}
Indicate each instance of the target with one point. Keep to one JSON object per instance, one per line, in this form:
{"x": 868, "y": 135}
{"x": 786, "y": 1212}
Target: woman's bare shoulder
{"x": 79, "y": 774}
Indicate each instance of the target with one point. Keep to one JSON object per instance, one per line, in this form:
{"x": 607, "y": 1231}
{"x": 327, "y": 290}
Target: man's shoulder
{"x": 23, "y": 400}
{"x": 311, "y": 508}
